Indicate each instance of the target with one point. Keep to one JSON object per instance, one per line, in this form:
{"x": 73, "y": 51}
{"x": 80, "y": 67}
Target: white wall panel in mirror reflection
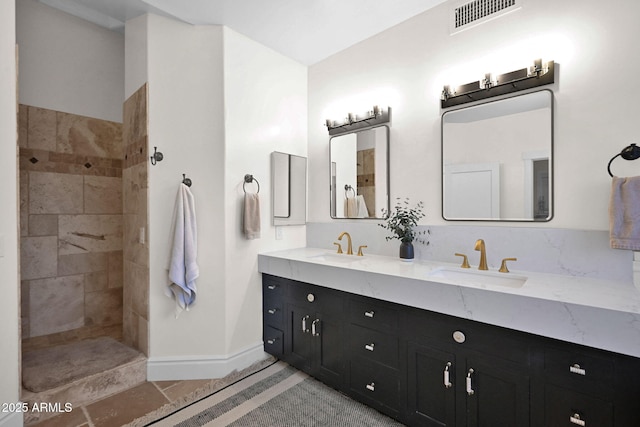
{"x": 496, "y": 160}
{"x": 289, "y": 180}
{"x": 360, "y": 173}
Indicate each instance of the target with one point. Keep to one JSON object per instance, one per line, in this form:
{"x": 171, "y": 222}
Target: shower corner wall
{"x": 135, "y": 221}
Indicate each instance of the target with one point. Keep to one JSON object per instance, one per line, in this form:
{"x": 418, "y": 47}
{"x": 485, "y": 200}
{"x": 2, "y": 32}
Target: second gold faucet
{"x": 483, "y": 254}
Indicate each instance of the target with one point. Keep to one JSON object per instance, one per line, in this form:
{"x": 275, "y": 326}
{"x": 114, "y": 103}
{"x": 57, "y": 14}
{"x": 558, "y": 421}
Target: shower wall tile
{"x": 38, "y": 257}
{"x": 96, "y": 281}
{"x": 115, "y": 271}
{"x": 102, "y": 195}
{"x": 24, "y": 203}
{"x": 82, "y": 263}
{"x": 89, "y": 233}
{"x": 71, "y": 223}
{"x": 43, "y": 225}
{"x": 55, "y": 193}
{"x": 135, "y": 219}
{"x": 41, "y": 129}
{"x": 134, "y": 190}
{"x": 23, "y": 125}
{"x": 88, "y": 136}
{"x": 56, "y": 304}
{"x": 24, "y": 308}
{"x": 134, "y": 124}
{"x": 103, "y": 307}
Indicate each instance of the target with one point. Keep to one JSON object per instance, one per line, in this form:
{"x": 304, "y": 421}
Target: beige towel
{"x": 251, "y": 217}
{"x": 350, "y": 207}
{"x": 624, "y": 213}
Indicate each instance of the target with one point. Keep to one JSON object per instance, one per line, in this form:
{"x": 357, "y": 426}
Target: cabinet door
{"x": 328, "y": 348}
{"x": 432, "y": 388}
{"x": 497, "y": 393}
{"x": 298, "y": 350}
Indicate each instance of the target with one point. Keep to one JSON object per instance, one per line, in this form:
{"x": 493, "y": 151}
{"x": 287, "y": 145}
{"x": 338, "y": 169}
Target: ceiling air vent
{"x": 478, "y": 11}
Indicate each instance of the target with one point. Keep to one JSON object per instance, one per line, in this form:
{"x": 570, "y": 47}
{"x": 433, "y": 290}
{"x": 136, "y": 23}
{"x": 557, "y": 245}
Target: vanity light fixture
{"x": 373, "y": 117}
{"x": 538, "y": 74}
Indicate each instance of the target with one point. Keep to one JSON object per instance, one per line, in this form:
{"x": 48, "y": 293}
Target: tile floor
{"x": 122, "y": 408}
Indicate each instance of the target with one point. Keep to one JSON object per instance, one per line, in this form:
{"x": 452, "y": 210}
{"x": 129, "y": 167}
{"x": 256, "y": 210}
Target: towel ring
{"x": 248, "y": 179}
{"x": 631, "y": 152}
{"x": 186, "y": 181}
{"x": 347, "y": 187}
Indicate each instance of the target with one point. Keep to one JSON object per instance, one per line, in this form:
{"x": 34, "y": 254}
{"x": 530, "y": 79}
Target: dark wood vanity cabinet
{"x": 430, "y": 369}
{"x": 374, "y": 354}
{"x": 311, "y": 323}
{"x": 459, "y": 373}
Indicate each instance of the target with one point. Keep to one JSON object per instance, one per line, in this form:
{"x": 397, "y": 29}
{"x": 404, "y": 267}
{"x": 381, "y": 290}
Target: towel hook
{"x": 186, "y": 181}
{"x": 347, "y": 187}
{"x": 630, "y": 152}
{"x": 157, "y": 156}
{"x": 248, "y": 179}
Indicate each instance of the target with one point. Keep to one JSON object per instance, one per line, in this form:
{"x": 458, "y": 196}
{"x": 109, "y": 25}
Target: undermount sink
{"x": 334, "y": 257}
{"x": 479, "y": 277}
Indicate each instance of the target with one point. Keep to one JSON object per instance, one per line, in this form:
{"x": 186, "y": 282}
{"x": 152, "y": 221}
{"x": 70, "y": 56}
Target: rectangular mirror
{"x": 360, "y": 173}
{"x": 289, "y": 182}
{"x": 497, "y": 160}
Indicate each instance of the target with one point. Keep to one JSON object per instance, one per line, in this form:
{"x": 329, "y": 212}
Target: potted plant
{"x": 401, "y": 222}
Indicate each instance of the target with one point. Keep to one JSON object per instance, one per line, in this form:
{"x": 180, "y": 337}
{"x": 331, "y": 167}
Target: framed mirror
{"x": 289, "y": 181}
{"x": 497, "y": 160}
{"x": 360, "y": 173}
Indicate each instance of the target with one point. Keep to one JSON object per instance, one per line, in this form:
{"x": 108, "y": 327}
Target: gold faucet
{"x": 349, "y": 247}
{"x": 483, "y": 254}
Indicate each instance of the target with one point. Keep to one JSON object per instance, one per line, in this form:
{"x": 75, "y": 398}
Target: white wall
{"x": 265, "y": 111}
{"x": 186, "y": 124}
{"x": 68, "y": 64}
{"x": 219, "y": 104}
{"x": 595, "y": 45}
{"x": 9, "y": 253}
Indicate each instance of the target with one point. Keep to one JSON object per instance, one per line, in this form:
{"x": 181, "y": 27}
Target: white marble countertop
{"x": 597, "y": 313}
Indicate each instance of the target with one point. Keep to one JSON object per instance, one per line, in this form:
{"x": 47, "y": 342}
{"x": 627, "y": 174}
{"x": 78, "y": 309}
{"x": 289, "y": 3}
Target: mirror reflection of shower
{"x": 359, "y": 174}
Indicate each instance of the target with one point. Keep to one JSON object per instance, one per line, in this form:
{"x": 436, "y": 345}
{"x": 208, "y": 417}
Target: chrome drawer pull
{"x": 271, "y": 287}
{"x": 371, "y": 387}
{"x": 314, "y": 331}
{"x": 369, "y": 313}
{"x": 575, "y": 419}
{"x": 369, "y": 346}
{"x": 469, "y": 389}
{"x": 447, "y": 383}
{"x": 576, "y": 369}
{"x": 272, "y": 341}
{"x": 272, "y": 310}
{"x": 304, "y": 324}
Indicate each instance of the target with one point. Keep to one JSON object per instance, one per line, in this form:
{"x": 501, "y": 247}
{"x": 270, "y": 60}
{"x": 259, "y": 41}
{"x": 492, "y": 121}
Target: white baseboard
{"x": 196, "y": 368}
{"x": 13, "y": 419}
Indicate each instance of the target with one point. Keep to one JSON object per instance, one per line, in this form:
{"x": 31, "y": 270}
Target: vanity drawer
{"x": 273, "y": 341}
{"x": 491, "y": 340}
{"x": 373, "y": 345}
{"x": 377, "y": 385}
{"x": 316, "y": 297}
{"x": 272, "y": 312}
{"x": 565, "y": 407}
{"x": 273, "y": 287}
{"x": 578, "y": 370}
{"x": 373, "y": 315}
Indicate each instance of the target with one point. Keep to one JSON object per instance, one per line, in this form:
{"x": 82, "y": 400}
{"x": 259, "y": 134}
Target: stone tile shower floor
{"x": 146, "y": 402}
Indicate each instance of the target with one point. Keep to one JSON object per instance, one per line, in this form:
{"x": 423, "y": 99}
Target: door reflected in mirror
{"x": 360, "y": 174}
{"x": 496, "y": 160}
